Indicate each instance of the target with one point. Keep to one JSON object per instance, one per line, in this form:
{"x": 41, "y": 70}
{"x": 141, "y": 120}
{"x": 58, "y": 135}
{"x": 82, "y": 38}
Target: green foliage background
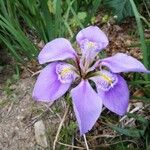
{"x": 47, "y": 19}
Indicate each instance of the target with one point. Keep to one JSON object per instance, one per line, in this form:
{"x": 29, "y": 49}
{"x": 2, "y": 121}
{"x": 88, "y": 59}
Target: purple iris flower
{"x": 111, "y": 89}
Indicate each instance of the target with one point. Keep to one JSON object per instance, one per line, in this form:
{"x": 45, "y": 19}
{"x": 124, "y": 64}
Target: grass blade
{"x": 142, "y": 39}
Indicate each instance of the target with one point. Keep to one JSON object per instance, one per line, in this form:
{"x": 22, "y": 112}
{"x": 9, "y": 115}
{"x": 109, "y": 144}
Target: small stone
{"x": 40, "y": 135}
{"x": 40, "y": 44}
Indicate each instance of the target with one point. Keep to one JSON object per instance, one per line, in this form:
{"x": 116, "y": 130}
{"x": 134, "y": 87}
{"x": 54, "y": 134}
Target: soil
{"x": 19, "y": 112}
{"x": 15, "y": 109}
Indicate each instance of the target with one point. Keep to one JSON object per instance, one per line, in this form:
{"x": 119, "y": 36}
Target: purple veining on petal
{"x": 90, "y": 46}
{"x": 48, "y": 87}
{"x": 91, "y": 40}
{"x": 92, "y": 34}
{"x": 105, "y": 80}
{"x": 65, "y": 72}
{"x": 117, "y": 98}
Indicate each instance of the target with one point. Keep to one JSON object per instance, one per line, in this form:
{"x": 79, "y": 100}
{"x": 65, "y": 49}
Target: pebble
{"x": 40, "y": 134}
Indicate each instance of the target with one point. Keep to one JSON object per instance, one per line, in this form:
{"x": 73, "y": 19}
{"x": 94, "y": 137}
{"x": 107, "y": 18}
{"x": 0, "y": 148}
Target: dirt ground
{"x": 19, "y": 112}
{"x": 14, "y": 133}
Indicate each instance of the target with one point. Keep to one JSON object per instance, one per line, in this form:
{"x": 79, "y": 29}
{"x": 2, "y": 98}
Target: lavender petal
{"x": 123, "y": 63}
{"x": 47, "y": 87}
{"x": 57, "y": 49}
{"x": 87, "y": 106}
{"x": 93, "y": 34}
{"x": 116, "y": 99}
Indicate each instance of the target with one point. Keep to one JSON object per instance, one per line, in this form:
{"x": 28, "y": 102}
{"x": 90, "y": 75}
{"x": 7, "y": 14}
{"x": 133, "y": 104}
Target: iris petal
{"x": 116, "y": 99}
{"x": 123, "y": 63}
{"x": 87, "y": 106}
{"x": 48, "y": 87}
{"x": 91, "y": 40}
{"x": 58, "y": 49}
{"x": 92, "y": 34}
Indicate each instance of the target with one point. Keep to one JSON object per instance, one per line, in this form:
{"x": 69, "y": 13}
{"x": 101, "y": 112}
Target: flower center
{"x": 65, "y": 72}
{"x": 106, "y": 80}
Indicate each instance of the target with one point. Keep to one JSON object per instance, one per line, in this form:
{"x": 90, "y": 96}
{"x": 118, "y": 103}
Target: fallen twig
{"x": 35, "y": 73}
{"x": 86, "y": 144}
{"x": 59, "y": 128}
{"x": 71, "y": 146}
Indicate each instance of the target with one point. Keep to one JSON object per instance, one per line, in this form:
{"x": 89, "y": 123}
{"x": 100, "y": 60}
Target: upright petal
{"x": 123, "y": 63}
{"x": 87, "y": 106}
{"x": 94, "y": 35}
{"x": 57, "y": 49}
{"x": 91, "y": 40}
{"x": 116, "y": 99}
{"x": 48, "y": 87}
